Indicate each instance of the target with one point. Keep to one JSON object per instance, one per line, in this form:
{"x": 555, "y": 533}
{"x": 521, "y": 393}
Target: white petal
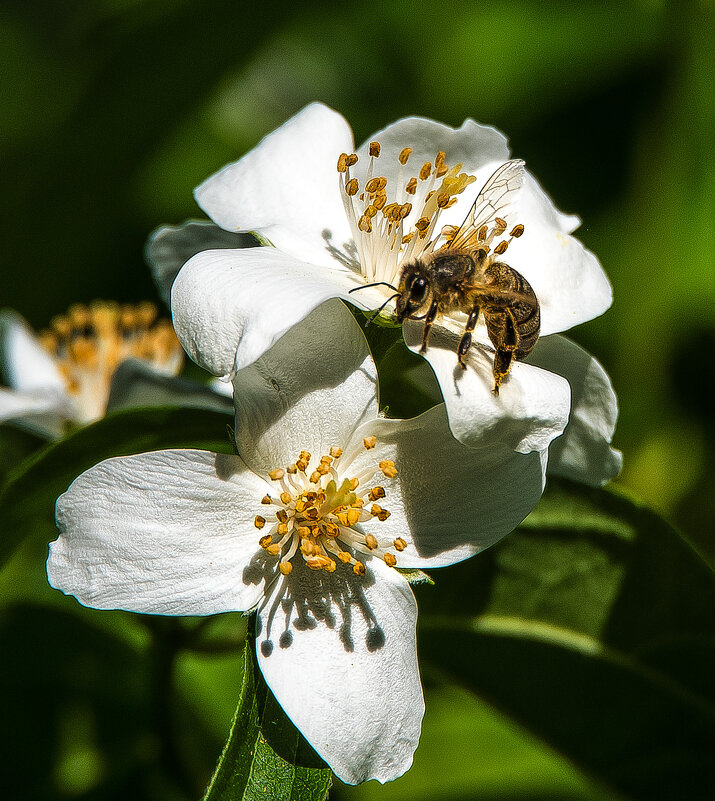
{"x": 287, "y": 187}
{"x": 308, "y": 392}
{"x": 169, "y": 532}
{"x": 532, "y": 407}
{"x": 230, "y": 306}
{"x": 338, "y": 651}
{"x": 447, "y": 501}
{"x": 567, "y": 278}
{"x": 43, "y": 414}
{"x": 171, "y": 246}
{"x": 472, "y": 145}
{"x": 27, "y": 366}
{"x": 583, "y": 452}
{"x": 136, "y": 383}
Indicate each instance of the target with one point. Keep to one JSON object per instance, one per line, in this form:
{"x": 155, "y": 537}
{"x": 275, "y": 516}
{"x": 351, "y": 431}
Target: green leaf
{"x": 592, "y": 626}
{"x": 265, "y": 755}
{"x": 27, "y": 499}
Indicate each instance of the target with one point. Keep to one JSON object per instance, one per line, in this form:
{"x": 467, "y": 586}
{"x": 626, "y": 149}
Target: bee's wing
{"x": 496, "y": 194}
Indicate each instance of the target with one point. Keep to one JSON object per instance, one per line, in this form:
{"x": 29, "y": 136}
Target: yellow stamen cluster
{"x": 90, "y": 342}
{"x": 393, "y": 224}
{"x": 483, "y": 237}
{"x": 319, "y": 514}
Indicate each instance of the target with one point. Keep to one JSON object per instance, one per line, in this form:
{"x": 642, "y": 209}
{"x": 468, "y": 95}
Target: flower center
{"x": 395, "y": 224}
{"x": 320, "y": 514}
{"x": 90, "y": 342}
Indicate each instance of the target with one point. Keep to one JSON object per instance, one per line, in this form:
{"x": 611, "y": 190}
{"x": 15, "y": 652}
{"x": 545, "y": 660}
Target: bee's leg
{"x": 502, "y": 334}
{"x": 502, "y": 362}
{"x": 466, "y": 341}
{"x": 429, "y": 319}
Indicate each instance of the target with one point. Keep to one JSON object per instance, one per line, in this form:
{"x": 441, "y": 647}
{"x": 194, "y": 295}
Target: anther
{"x": 286, "y": 497}
{"x": 425, "y": 170}
{"x": 336, "y": 453}
{"x": 281, "y": 529}
{"x": 282, "y": 515}
{"x": 389, "y": 559}
{"x": 274, "y": 549}
{"x": 371, "y": 541}
{"x": 359, "y": 569}
{"x": 375, "y": 185}
{"x": 259, "y": 521}
{"x": 369, "y": 443}
{"x": 277, "y": 474}
{"x": 342, "y": 162}
{"x": 501, "y": 248}
{"x": 351, "y": 187}
{"x": 411, "y": 187}
{"x": 482, "y": 233}
{"x": 286, "y": 568}
{"x": 517, "y": 231}
{"x": 292, "y": 469}
{"x": 422, "y": 224}
{"x": 499, "y": 225}
{"x": 405, "y": 209}
{"x": 374, "y": 149}
{"x": 388, "y": 468}
{"x": 314, "y": 477}
{"x": 376, "y": 493}
{"x": 404, "y": 155}
{"x": 265, "y": 541}
{"x": 399, "y": 544}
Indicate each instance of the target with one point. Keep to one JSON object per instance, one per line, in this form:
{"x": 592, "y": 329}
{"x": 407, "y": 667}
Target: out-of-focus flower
{"x": 309, "y": 526}
{"x": 64, "y": 374}
{"x": 340, "y": 219}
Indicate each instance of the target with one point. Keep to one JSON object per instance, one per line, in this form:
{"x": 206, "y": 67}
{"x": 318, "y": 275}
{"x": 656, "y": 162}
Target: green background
{"x": 113, "y": 110}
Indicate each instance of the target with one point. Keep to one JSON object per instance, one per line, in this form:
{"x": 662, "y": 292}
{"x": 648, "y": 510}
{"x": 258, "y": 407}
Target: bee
{"x": 466, "y": 275}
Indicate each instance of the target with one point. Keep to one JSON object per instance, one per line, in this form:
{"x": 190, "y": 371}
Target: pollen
{"x": 90, "y": 342}
{"x": 323, "y": 518}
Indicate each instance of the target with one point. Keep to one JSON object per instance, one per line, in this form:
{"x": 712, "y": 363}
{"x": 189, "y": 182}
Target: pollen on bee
{"x": 374, "y": 149}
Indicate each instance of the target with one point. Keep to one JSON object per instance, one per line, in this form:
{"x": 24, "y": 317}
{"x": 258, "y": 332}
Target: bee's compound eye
{"x": 418, "y": 289}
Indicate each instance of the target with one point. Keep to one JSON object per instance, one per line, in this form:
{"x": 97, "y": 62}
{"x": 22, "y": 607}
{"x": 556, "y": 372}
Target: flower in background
{"x": 340, "y": 218}
{"x": 309, "y": 526}
{"x": 64, "y": 374}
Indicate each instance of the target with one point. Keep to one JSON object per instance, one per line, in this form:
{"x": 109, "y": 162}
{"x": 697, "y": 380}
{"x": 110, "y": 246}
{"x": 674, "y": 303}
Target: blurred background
{"x": 113, "y": 110}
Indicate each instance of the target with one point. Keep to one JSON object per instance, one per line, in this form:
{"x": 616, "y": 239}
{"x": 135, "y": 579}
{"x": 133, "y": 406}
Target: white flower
{"x": 65, "y": 373}
{"x": 289, "y": 191}
{"x": 305, "y": 527}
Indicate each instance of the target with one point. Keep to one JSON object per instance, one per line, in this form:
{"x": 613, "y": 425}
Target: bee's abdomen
{"x": 525, "y": 314}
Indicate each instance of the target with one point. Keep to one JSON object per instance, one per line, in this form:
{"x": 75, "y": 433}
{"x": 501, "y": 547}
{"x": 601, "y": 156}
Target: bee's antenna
{"x": 377, "y": 283}
{"x": 377, "y": 311}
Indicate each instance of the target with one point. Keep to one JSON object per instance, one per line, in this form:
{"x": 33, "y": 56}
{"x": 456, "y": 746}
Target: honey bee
{"x": 465, "y": 275}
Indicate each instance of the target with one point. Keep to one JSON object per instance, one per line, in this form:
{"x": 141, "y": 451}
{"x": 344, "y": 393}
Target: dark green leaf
{"x": 266, "y": 756}
{"x": 27, "y": 500}
{"x": 592, "y": 626}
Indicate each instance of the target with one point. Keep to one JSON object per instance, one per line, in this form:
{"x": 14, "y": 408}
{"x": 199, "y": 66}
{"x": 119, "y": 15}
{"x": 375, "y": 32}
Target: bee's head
{"x": 414, "y": 289}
